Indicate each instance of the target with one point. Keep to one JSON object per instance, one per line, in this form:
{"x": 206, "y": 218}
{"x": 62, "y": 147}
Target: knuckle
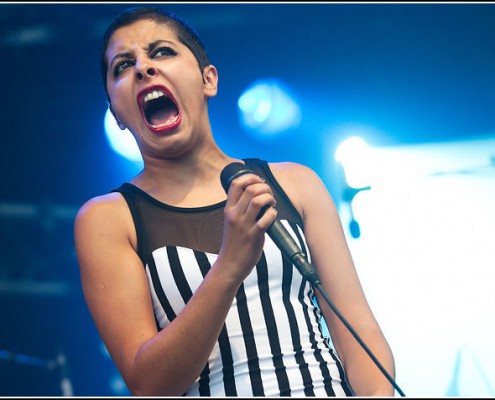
{"x": 229, "y": 218}
{"x": 258, "y": 202}
{"x": 251, "y": 190}
{"x": 236, "y": 183}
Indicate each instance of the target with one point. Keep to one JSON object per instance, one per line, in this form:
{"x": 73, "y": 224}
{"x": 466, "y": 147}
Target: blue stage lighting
{"x": 267, "y": 108}
{"x": 121, "y": 141}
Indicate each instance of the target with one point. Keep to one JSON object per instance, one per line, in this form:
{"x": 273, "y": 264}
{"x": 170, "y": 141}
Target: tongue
{"x": 161, "y": 116}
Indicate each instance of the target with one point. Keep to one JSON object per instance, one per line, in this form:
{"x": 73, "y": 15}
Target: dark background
{"x": 411, "y": 73}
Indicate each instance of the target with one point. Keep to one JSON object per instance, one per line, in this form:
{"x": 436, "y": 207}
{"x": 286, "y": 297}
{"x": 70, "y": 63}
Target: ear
{"x": 119, "y": 123}
{"x": 210, "y": 80}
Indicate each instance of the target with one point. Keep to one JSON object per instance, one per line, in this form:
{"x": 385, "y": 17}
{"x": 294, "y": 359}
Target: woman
{"x": 187, "y": 292}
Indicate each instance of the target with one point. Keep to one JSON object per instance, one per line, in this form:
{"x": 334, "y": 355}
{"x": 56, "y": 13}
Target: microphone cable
{"x": 318, "y": 286}
{"x": 309, "y": 272}
{"x": 294, "y": 254}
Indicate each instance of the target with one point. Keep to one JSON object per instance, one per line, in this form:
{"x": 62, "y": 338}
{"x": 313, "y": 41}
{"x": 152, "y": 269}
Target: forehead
{"x": 139, "y": 34}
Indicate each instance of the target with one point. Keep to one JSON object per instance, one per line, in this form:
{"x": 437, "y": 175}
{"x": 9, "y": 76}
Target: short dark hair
{"x": 185, "y": 33}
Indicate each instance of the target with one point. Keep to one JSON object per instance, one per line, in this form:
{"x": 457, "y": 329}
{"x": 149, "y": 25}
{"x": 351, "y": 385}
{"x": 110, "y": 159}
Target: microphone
{"x": 291, "y": 250}
{"x": 276, "y": 231}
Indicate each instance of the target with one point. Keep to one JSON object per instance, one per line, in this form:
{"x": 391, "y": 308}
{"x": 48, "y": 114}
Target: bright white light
{"x": 354, "y": 156}
{"x": 266, "y": 107}
{"x": 425, "y": 259}
{"x": 262, "y": 111}
{"x": 121, "y": 141}
{"x": 350, "y": 150}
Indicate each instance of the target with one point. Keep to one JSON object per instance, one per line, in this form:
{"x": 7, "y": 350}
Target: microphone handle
{"x": 291, "y": 250}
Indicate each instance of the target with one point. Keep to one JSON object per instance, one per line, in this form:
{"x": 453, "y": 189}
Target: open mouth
{"x": 159, "y": 109}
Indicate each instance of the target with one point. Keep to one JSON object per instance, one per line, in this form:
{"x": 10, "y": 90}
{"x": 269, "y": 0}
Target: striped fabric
{"x": 272, "y": 343}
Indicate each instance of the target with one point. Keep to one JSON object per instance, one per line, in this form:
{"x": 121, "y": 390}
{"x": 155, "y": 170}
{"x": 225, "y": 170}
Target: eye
{"x": 163, "y": 52}
{"x": 121, "y": 66}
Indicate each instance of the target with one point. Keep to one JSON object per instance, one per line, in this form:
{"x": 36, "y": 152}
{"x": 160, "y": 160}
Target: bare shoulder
{"x": 104, "y": 215}
{"x": 294, "y": 176}
{"x": 301, "y": 183}
{"x": 105, "y": 207}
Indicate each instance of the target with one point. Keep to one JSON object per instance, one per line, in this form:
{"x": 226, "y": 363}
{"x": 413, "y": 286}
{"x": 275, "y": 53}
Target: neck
{"x": 190, "y": 181}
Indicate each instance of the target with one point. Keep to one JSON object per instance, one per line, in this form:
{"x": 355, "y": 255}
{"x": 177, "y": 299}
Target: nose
{"x": 145, "y": 70}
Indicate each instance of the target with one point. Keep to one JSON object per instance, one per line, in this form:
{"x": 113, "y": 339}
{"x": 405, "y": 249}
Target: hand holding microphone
{"x": 276, "y": 230}
{"x": 244, "y": 229}
{"x": 291, "y": 250}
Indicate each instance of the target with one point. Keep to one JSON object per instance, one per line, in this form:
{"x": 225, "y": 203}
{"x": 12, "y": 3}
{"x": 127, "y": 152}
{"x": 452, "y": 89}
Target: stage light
{"x": 121, "y": 141}
{"x": 354, "y": 156}
{"x": 266, "y": 107}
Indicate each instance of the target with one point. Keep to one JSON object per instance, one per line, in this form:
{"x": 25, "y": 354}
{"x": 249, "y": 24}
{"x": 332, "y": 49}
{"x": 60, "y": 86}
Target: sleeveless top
{"x": 272, "y": 342}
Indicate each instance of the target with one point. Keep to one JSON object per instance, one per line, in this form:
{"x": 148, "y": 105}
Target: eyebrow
{"x": 151, "y": 47}
{"x": 120, "y": 55}
{"x": 156, "y": 43}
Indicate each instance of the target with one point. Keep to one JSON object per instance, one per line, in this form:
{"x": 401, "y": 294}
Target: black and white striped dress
{"x": 272, "y": 342}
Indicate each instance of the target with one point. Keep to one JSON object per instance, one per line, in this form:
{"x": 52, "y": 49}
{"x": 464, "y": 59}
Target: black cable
{"x": 293, "y": 252}
{"x": 317, "y": 285}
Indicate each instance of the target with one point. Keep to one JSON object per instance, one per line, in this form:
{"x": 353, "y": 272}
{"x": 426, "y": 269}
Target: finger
{"x": 243, "y": 189}
{"x": 255, "y": 198}
{"x": 239, "y": 185}
{"x": 259, "y": 203}
{"x": 267, "y": 218}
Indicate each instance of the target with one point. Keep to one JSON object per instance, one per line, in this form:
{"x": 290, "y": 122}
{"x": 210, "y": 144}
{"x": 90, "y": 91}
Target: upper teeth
{"x": 153, "y": 95}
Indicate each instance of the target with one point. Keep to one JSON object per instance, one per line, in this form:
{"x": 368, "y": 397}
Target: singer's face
{"x": 156, "y": 88}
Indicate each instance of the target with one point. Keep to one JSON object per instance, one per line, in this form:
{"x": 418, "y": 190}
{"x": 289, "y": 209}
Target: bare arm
{"x": 116, "y": 289}
{"x": 331, "y": 257}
